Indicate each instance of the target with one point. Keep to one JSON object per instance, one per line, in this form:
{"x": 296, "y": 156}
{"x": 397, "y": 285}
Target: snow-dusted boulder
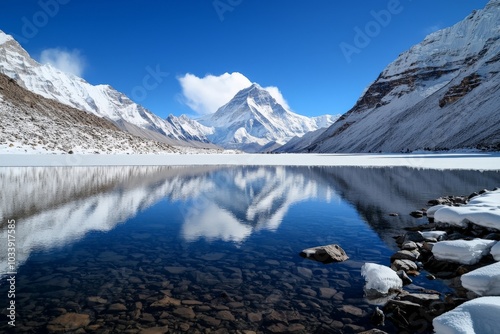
{"x": 433, "y": 235}
{"x": 483, "y": 210}
{"x": 484, "y": 281}
{"x": 475, "y": 316}
{"x": 379, "y": 279}
{"x": 462, "y": 251}
{"x": 432, "y": 210}
{"x": 495, "y": 251}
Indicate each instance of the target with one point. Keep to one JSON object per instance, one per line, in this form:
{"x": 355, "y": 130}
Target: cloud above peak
{"x": 69, "y": 61}
{"x": 206, "y": 95}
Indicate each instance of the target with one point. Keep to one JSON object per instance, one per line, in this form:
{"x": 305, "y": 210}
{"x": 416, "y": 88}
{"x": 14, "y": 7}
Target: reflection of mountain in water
{"x": 250, "y": 199}
{"x": 376, "y": 192}
{"x": 56, "y": 206}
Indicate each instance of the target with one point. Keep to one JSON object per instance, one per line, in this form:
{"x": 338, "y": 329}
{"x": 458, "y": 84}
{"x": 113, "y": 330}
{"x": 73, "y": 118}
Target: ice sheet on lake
{"x": 483, "y": 210}
{"x": 471, "y": 161}
{"x": 462, "y": 251}
{"x": 379, "y": 279}
{"x": 475, "y": 316}
{"x": 484, "y": 281}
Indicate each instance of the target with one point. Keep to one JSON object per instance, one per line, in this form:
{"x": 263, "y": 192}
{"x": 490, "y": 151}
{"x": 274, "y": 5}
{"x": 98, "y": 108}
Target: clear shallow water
{"x": 223, "y": 243}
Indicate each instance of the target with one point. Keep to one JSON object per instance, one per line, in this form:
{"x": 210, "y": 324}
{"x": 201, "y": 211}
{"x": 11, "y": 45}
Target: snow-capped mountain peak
{"x": 4, "y": 38}
{"x": 253, "y": 120}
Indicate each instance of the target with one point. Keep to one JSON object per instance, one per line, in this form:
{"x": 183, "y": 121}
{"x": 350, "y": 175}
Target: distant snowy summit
{"x": 254, "y": 121}
{"x": 443, "y": 93}
{"x": 251, "y": 121}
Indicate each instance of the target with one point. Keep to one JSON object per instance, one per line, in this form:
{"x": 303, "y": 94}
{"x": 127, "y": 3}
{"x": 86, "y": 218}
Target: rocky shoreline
{"x": 414, "y": 311}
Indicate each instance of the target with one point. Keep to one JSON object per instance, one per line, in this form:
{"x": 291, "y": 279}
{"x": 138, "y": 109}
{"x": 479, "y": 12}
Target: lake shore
{"x": 470, "y": 161}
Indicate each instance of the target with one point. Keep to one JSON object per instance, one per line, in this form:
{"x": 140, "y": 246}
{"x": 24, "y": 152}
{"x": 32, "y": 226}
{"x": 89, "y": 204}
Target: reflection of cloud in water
{"x": 212, "y": 222}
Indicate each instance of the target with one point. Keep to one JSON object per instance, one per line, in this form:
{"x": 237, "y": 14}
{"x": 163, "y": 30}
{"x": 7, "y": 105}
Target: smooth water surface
{"x": 200, "y": 249}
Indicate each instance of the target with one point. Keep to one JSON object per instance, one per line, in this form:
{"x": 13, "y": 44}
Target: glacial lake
{"x": 206, "y": 249}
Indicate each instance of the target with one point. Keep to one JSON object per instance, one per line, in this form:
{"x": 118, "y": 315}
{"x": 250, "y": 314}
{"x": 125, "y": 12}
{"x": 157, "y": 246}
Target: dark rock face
{"x": 430, "y": 98}
{"x": 456, "y": 92}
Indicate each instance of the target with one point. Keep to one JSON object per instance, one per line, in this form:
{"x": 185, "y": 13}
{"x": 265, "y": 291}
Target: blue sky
{"x": 146, "y": 48}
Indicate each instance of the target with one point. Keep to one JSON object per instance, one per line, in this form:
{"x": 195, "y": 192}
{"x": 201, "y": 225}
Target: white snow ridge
{"x": 483, "y": 210}
{"x": 484, "y": 281}
{"x": 475, "y": 316}
{"x": 462, "y": 251}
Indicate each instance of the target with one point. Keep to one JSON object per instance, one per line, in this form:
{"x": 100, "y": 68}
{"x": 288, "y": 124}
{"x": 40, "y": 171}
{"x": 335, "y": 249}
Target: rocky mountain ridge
{"x": 441, "y": 94}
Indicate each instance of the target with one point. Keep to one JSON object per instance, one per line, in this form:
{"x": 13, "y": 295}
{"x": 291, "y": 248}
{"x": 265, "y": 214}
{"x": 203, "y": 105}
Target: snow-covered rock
{"x": 441, "y": 94}
{"x": 475, "y": 316}
{"x": 379, "y": 279}
{"x": 432, "y": 210}
{"x": 495, "y": 251}
{"x": 254, "y": 119}
{"x": 433, "y": 234}
{"x": 462, "y": 251}
{"x": 483, "y": 210}
{"x": 484, "y": 281}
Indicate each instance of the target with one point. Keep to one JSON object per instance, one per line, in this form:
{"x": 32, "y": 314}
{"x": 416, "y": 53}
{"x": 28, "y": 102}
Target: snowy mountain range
{"x": 30, "y": 123}
{"x": 101, "y": 100}
{"x": 252, "y": 120}
{"x": 443, "y": 93}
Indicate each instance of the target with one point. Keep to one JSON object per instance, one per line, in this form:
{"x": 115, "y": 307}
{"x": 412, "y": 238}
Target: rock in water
{"x": 325, "y": 254}
{"x": 68, "y": 322}
{"x": 378, "y": 317}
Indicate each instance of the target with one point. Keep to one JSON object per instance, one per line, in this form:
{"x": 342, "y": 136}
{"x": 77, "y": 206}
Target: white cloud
{"x": 206, "y": 95}
{"x": 64, "y": 60}
{"x": 275, "y": 92}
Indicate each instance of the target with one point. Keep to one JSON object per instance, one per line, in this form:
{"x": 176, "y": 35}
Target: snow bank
{"x": 484, "y": 281}
{"x": 462, "y": 251}
{"x": 379, "y": 279}
{"x": 475, "y": 316}
{"x": 482, "y": 210}
{"x": 495, "y": 251}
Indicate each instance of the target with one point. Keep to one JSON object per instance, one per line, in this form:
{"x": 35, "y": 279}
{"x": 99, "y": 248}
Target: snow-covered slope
{"x": 101, "y": 100}
{"x": 30, "y": 123}
{"x": 443, "y": 93}
{"x": 298, "y": 144}
{"x": 253, "y": 119}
